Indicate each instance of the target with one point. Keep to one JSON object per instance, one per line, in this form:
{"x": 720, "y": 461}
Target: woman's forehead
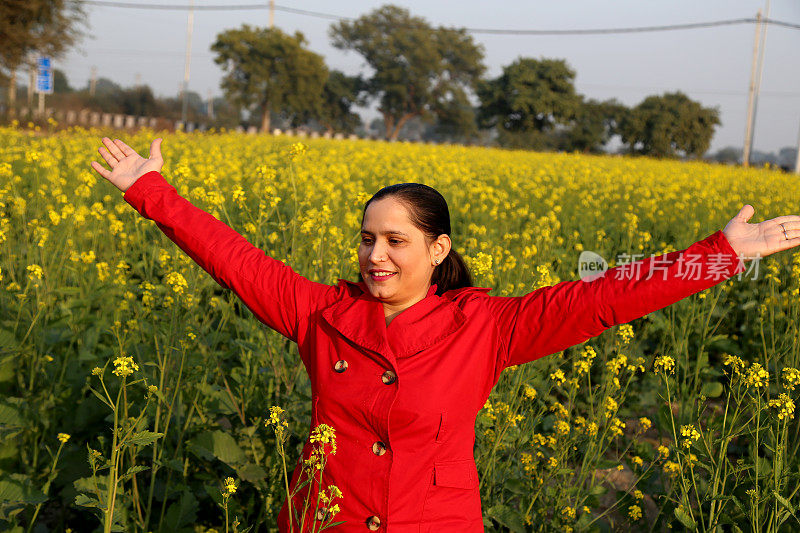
{"x": 386, "y": 212}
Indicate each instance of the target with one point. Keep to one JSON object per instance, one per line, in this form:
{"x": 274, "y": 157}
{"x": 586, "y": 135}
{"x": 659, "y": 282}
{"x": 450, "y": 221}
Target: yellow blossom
{"x": 689, "y": 434}
{"x": 124, "y": 366}
{"x": 229, "y": 486}
{"x": 784, "y": 405}
{"x": 665, "y": 364}
{"x": 635, "y": 512}
{"x": 63, "y": 437}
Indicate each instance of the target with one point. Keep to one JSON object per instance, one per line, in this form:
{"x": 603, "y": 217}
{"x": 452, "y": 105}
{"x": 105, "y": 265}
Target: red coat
{"x": 403, "y": 399}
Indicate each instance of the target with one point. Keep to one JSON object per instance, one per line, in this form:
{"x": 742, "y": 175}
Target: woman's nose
{"x": 378, "y": 253}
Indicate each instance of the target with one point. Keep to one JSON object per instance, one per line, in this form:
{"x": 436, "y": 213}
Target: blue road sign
{"x": 44, "y": 78}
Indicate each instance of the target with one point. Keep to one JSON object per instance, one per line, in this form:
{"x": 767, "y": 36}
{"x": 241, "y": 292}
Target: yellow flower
{"x": 637, "y": 460}
{"x": 296, "y": 150}
{"x": 529, "y": 392}
{"x": 96, "y": 371}
{"x": 176, "y": 281}
{"x": 645, "y": 423}
{"x": 671, "y": 468}
{"x": 784, "y": 405}
{"x": 124, "y": 366}
{"x": 229, "y": 486}
{"x": 665, "y": 364}
{"x": 638, "y": 494}
{"x": 616, "y": 428}
{"x": 734, "y": 362}
{"x": 35, "y": 272}
{"x": 568, "y": 513}
{"x": 663, "y": 452}
{"x": 625, "y": 333}
{"x": 756, "y": 376}
{"x": 558, "y": 377}
{"x": 63, "y": 437}
{"x": 635, "y": 512}
{"x": 610, "y": 406}
{"x": 689, "y": 434}
{"x": 324, "y": 434}
{"x": 791, "y": 378}
{"x": 561, "y": 427}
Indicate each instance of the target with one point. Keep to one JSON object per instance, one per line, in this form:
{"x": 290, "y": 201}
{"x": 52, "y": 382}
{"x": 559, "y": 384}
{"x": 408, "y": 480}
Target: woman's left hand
{"x": 764, "y": 238}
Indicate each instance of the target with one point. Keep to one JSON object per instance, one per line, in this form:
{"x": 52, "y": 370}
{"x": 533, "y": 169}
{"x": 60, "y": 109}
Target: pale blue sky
{"x": 710, "y": 65}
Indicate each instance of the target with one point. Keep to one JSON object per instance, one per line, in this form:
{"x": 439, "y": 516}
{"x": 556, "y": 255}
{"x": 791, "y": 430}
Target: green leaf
{"x": 10, "y": 416}
{"x": 17, "y": 488}
{"x": 506, "y": 517}
{"x": 133, "y": 471}
{"x": 685, "y": 519}
{"x": 251, "y": 472}
{"x": 220, "y": 445}
{"x": 144, "y": 438}
{"x": 786, "y": 503}
{"x": 85, "y": 500}
{"x": 181, "y": 513}
{"x": 711, "y": 389}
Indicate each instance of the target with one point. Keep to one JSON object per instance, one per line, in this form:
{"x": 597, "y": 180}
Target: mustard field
{"x": 138, "y": 395}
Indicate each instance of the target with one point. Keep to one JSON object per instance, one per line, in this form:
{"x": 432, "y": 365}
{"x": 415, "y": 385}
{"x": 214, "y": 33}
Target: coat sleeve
{"x": 554, "y": 318}
{"x": 276, "y": 294}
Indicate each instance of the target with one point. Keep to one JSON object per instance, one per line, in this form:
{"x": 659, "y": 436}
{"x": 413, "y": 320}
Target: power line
{"x": 486, "y": 31}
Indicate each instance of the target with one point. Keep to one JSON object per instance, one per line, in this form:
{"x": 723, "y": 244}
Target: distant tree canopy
{"x": 340, "y": 94}
{"x": 669, "y": 125}
{"x": 528, "y": 100}
{"x": 268, "y": 70}
{"x": 418, "y": 70}
{"x": 593, "y": 126}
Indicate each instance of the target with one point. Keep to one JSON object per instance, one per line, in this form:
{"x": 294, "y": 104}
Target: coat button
{"x": 379, "y": 448}
{"x": 322, "y": 514}
{"x": 389, "y": 377}
{"x": 340, "y": 366}
{"x": 373, "y": 523}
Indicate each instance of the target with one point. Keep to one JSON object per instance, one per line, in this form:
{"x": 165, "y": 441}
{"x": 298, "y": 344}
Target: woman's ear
{"x": 441, "y": 247}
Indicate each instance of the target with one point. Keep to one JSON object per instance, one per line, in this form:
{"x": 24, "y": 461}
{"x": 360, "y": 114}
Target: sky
{"x": 710, "y": 65}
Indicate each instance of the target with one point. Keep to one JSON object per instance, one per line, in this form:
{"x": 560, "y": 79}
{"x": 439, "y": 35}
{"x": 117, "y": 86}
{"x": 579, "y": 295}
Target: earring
{"x": 436, "y": 261}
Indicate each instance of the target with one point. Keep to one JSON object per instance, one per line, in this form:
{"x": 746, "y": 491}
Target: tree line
{"x": 420, "y": 77}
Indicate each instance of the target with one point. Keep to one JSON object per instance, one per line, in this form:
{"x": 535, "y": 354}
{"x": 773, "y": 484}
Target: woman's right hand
{"x": 126, "y": 165}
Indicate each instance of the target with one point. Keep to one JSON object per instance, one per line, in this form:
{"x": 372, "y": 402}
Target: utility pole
{"x": 210, "y": 110}
{"x": 271, "y": 13}
{"x": 93, "y": 81}
{"x": 761, "y": 48}
{"x": 189, "y": 25}
{"x": 748, "y": 127}
{"x": 797, "y": 163}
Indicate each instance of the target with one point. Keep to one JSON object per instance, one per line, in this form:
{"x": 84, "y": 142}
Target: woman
{"x": 401, "y": 362}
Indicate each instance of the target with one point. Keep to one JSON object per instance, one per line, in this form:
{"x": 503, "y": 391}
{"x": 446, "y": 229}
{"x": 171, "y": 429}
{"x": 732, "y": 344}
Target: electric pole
{"x": 93, "y": 81}
{"x": 210, "y": 110}
{"x": 761, "y": 48}
{"x": 189, "y": 24}
{"x": 797, "y": 162}
{"x": 271, "y": 13}
{"x": 748, "y": 127}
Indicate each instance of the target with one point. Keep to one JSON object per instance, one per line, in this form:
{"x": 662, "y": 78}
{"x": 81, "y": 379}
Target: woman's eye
{"x": 366, "y": 240}
{"x": 395, "y": 241}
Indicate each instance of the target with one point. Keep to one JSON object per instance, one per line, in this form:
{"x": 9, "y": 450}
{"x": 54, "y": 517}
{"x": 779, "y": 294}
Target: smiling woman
{"x": 401, "y": 362}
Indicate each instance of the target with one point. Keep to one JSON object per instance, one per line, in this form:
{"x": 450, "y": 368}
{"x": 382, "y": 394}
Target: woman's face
{"x": 395, "y": 258}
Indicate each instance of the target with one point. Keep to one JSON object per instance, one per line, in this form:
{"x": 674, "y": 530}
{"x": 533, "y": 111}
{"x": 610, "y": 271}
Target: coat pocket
{"x": 455, "y": 474}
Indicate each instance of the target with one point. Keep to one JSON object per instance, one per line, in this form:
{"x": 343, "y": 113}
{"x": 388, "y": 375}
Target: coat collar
{"x": 359, "y": 317}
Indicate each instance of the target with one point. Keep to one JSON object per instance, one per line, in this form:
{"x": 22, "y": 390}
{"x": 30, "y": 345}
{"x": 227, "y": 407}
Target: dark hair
{"x": 428, "y": 211}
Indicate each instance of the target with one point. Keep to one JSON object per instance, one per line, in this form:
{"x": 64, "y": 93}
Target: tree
{"x": 60, "y": 82}
{"x": 593, "y": 126}
{"x": 46, "y": 27}
{"x": 418, "y": 70}
{"x": 268, "y": 70}
{"x": 668, "y": 126}
{"x": 340, "y": 94}
{"x": 528, "y": 100}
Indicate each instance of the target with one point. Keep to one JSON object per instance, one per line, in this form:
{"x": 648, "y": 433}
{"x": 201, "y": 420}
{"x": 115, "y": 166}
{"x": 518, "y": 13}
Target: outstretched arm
{"x": 554, "y": 318}
{"x": 278, "y": 296}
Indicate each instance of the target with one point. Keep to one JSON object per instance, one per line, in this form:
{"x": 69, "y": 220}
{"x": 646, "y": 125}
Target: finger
{"x": 124, "y": 148}
{"x": 786, "y": 218}
{"x": 155, "y": 149}
{"x": 110, "y": 159}
{"x": 112, "y": 148}
{"x": 745, "y": 213}
{"x": 101, "y": 170}
{"x": 786, "y": 244}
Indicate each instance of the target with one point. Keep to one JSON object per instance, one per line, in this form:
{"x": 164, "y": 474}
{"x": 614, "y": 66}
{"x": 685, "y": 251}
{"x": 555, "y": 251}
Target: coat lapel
{"x": 359, "y": 317}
